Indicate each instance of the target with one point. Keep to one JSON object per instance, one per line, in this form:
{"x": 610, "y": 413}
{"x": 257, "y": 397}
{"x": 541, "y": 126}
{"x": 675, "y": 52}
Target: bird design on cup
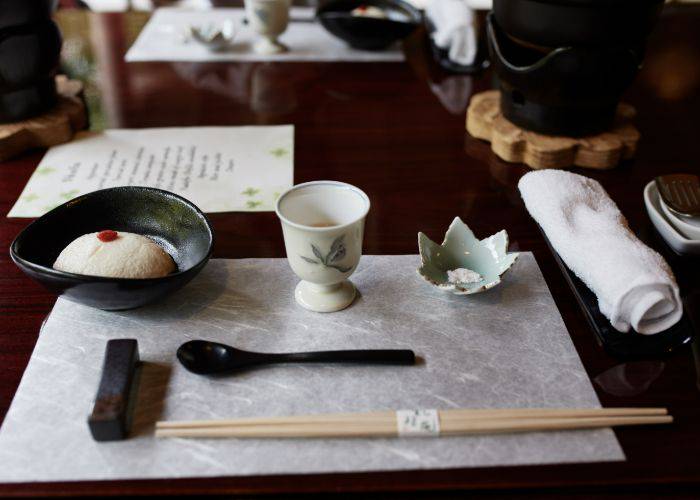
{"x": 336, "y": 254}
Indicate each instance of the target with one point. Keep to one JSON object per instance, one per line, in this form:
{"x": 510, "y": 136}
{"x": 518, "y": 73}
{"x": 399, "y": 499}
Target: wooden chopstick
{"x": 382, "y": 424}
{"x": 444, "y": 415}
{"x": 386, "y": 429}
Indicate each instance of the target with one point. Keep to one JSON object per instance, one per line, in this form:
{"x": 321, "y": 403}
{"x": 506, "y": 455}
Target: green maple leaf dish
{"x": 250, "y": 191}
{"x": 279, "y": 152}
{"x": 462, "y": 250}
{"x": 336, "y": 253}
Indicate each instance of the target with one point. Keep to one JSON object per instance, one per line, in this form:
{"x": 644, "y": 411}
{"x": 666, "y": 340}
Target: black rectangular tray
{"x": 630, "y": 345}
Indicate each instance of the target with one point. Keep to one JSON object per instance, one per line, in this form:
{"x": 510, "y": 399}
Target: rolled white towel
{"x": 634, "y": 284}
{"x": 455, "y": 30}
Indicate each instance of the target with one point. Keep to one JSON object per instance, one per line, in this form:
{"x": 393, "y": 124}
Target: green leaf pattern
{"x": 279, "y": 152}
{"x": 337, "y": 253}
{"x": 251, "y": 191}
{"x": 45, "y": 170}
{"x": 69, "y": 195}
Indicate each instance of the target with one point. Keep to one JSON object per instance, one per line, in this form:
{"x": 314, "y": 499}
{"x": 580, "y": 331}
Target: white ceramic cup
{"x": 268, "y": 18}
{"x": 323, "y": 225}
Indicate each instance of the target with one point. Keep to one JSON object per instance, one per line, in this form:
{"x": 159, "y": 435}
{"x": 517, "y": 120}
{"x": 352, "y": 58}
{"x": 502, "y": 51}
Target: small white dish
{"x": 670, "y": 234}
{"x": 482, "y": 262}
{"x": 215, "y": 38}
{"x": 687, "y": 226}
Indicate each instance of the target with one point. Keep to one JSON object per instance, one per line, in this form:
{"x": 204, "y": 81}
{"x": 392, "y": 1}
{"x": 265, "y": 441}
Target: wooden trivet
{"x": 514, "y": 144}
{"x": 56, "y": 126}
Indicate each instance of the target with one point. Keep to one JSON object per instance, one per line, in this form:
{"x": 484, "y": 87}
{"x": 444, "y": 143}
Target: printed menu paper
{"x": 219, "y": 169}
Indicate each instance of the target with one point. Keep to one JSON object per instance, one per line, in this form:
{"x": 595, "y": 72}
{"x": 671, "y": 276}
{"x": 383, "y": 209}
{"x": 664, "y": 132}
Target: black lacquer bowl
{"x": 170, "y": 220}
{"x": 367, "y": 33}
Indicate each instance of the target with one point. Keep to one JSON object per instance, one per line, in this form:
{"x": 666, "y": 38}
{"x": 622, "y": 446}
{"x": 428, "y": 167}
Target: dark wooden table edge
{"x": 421, "y": 480}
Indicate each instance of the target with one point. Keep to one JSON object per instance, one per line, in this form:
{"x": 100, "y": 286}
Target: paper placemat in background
{"x": 504, "y": 348}
{"x": 219, "y": 169}
{"x": 165, "y": 38}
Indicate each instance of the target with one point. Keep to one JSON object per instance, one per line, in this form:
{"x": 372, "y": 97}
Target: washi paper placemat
{"x": 219, "y": 169}
{"x": 165, "y": 38}
{"x": 507, "y": 347}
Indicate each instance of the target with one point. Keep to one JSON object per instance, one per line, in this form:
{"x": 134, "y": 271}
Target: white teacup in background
{"x": 323, "y": 224}
{"x": 268, "y": 18}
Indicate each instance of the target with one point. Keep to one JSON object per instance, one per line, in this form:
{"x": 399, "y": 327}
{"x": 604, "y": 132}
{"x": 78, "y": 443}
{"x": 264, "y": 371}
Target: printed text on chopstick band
{"x": 418, "y": 422}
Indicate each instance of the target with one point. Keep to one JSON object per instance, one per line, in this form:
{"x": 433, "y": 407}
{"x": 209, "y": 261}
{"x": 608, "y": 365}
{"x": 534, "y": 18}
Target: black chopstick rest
{"x": 111, "y": 415}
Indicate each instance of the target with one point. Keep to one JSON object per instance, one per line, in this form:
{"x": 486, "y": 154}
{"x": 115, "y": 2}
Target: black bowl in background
{"x": 561, "y": 23}
{"x": 572, "y": 91}
{"x": 170, "y": 220}
{"x": 366, "y": 33}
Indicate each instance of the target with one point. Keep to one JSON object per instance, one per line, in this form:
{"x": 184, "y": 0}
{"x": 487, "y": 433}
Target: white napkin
{"x": 634, "y": 284}
{"x": 455, "y": 30}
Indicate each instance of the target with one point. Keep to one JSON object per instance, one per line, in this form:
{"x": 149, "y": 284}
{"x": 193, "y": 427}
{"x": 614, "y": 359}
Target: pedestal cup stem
{"x": 325, "y": 298}
{"x": 324, "y": 288}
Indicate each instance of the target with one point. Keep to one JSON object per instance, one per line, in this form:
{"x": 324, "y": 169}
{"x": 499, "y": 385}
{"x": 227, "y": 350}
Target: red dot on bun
{"x": 107, "y": 235}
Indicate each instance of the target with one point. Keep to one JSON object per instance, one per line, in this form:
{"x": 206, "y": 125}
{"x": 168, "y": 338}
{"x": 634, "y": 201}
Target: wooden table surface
{"x": 397, "y": 131}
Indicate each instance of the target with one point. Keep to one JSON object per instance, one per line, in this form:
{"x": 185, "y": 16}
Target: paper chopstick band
{"x": 418, "y": 422}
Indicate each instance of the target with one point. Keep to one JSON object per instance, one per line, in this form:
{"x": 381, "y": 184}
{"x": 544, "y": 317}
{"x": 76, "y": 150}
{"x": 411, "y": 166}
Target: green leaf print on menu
{"x": 50, "y": 206}
{"x": 279, "y": 152}
{"x": 69, "y": 195}
{"x": 250, "y": 192}
{"x": 30, "y": 197}
{"x": 253, "y": 204}
{"x": 44, "y": 170}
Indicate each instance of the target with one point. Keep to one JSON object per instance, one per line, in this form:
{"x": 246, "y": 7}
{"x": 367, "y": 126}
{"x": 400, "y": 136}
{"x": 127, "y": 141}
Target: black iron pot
{"x": 28, "y": 53}
{"x": 570, "y": 91}
{"x": 560, "y": 23}
{"x": 28, "y": 101}
{"x": 18, "y": 12}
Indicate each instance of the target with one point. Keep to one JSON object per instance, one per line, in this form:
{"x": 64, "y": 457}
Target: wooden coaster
{"x": 516, "y": 145}
{"x": 56, "y": 126}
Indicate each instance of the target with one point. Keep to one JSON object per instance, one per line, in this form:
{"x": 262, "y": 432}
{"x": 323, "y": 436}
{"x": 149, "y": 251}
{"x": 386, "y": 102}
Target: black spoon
{"x": 209, "y": 358}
